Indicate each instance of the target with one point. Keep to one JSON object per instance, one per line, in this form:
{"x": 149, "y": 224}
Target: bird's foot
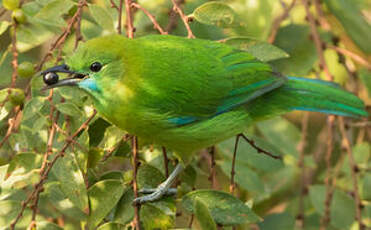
{"x": 154, "y": 194}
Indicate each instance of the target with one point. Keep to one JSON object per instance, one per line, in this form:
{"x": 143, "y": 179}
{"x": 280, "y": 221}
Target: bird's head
{"x": 94, "y": 67}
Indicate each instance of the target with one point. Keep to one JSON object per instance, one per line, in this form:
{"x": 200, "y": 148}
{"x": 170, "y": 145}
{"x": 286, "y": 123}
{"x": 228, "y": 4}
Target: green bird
{"x": 188, "y": 94}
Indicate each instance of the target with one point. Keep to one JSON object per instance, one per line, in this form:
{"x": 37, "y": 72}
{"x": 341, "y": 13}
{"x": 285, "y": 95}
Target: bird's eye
{"x": 95, "y": 67}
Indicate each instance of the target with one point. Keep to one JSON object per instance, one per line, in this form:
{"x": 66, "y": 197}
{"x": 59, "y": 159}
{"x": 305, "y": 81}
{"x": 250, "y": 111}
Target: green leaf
{"x": 50, "y": 14}
{"x": 342, "y": 206}
{"x": 102, "y": 17}
{"x": 365, "y": 76}
{"x": 245, "y": 177}
{"x": 203, "y": 215}
{"x": 263, "y": 51}
{"x": 9, "y": 210}
{"x": 149, "y": 176}
{"x": 294, "y": 39}
{"x": 111, "y": 226}
{"x": 124, "y": 212}
{"x": 32, "y": 35}
{"x": 112, "y": 136}
{"x": 353, "y": 21}
{"x": 69, "y": 108}
{"x": 60, "y": 201}
{"x": 277, "y": 221}
{"x": 216, "y": 13}
{"x": 366, "y": 191}
{"x": 32, "y": 107}
{"x": 158, "y": 215}
{"x": 248, "y": 155}
{"x": 71, "y": 180}
{"x": 4, "y": 26}
{"x": 224, "y": 208}
{"x": 282, "y": 134}
{"x": 45, "y": 225}
{"x": 103, "y": 196}
{"x": 26, "y": 162}
{"x": 94, "y": 156}
{"x": 96, "y": 131}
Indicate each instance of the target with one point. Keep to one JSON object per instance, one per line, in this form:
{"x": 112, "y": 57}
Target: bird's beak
{"x": 71, "y": 81}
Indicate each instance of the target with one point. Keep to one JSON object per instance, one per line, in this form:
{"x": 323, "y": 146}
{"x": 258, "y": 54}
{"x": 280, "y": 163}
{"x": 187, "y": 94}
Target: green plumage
{"x": 186, "y": 94}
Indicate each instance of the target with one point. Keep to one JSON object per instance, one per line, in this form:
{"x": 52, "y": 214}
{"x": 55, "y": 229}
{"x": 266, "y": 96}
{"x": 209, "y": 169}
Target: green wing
{"x": 193, "y": 79}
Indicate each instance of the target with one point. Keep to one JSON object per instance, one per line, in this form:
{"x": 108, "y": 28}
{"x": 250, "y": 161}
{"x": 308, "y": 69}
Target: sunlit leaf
{"x": 102, "y": 17}
{"x": 216, "y": 13}
{"x": 111, "y": 226}
{"x": 282, "y": 134}
{"x": 71, "y": 181}
{"x": 4, "y": 26}
{"x": 224, "y": 208}
{"x": 103, "y": 196}
{"x": 69, "y": 109}
{"x": 263, "y": 51}
{"x": 203, "y": 215}
{"x": 353, "y": 21}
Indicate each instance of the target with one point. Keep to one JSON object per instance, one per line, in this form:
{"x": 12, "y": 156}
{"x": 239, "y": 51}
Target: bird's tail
{"x": 311, "y": 95}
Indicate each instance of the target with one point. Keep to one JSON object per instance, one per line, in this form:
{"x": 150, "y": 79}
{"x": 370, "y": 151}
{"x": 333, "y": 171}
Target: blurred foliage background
{"x": 60, "y": 172}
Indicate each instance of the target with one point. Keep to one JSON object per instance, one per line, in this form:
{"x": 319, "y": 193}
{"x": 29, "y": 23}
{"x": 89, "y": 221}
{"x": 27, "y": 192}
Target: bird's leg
{"x": 161, "y": 190}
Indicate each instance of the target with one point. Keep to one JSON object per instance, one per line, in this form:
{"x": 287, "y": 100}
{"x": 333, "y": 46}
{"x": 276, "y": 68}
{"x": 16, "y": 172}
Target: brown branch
{"x": 352, "y": 55}
{"x": 129, "y": 19}
{"x": 150, "y": 16}
{"x": 277, "y": 22}
{"x": 136, "y": 220}
{"x": 113, "y": 5}
{"x": 260, "y": 150}
{"x": 62, "y": 38}
{"x": 39, "y": 185}
{"x": 317, "y": 41}
{"x": 2, "y": 11}
{"x": 304, "y": 180}
{"x": 354, "y": 170}
{"x": 212, "y": 174}
{"x": 119, "y": 17}
{"x": 109, "y": 153}
{"x": 321, "y": 16}
{"x": 232, "y": 184}
{"x": 166, "y": 162}
{"x": 184, "y": 18}
{"x": 325, "y": 220}
{"x": 11, "y": 123}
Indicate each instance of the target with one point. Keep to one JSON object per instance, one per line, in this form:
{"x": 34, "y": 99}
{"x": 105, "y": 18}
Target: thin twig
{"x": 212, "y": 174}
{"x": 109, "y": 153}
{"x": 232, "y": 184}
{"x": 150, "y": 16}
{"x": 301, "y": 164}
{"x": 136, "y": 220}
{"x": 184, "y": 18}
{"x": 62, "y": 38}
{"x": 166, "y": 162}
{"x": 129, "y": 19}
{"x": 258, "y": 149}
{"x": 317, "y": 41}
{"x": 119, "y": 27}
{"x": 38, "y": 186}
{"x": 354, "y": 170}
{"x": 325, "y": 220}
{"x": 352, "y": 55}
{"x": 277, "y": 22}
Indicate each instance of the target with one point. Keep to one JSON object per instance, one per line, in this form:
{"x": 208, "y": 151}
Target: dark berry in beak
{"x": 50, "y": 78}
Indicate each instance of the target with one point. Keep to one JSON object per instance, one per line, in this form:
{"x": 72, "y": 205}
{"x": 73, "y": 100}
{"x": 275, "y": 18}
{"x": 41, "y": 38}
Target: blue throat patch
{"x": 89, "y": 84}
